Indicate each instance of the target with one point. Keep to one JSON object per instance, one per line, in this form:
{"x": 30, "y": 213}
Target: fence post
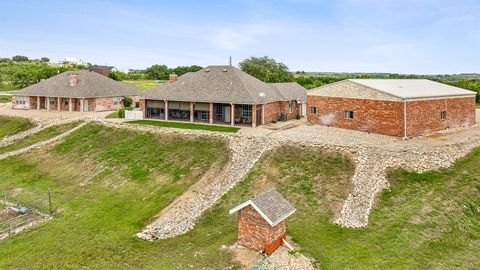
{"x": 49, "y": 202}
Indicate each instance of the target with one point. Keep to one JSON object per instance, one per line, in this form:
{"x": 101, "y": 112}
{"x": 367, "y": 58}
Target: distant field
{"x": 11, "y": 125}
{"x": 145, "y": 85}
{"x": 8, "y": 87}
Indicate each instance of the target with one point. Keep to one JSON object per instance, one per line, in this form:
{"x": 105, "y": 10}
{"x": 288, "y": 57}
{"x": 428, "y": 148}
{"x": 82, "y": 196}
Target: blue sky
{"x": 409, "y": 36}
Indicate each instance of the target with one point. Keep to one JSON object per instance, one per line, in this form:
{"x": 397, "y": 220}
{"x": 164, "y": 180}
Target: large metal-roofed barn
{"x": 224, "y": 95}
{"x": 76, "y": 90}
{"x": 261, "y": 221}
{"x": 395, "y": 107}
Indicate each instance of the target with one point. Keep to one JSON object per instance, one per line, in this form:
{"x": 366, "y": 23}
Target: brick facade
{"x": 273, "y": 110}
{"x": 387, "y": 117}
{"x": 255, "y": 232}
{"x": 94, "y": 104}
{"x": 423, "y": 116}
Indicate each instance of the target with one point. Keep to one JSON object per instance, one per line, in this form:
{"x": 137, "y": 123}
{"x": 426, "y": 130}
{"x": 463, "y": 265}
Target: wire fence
{"x": 18, "y": 212}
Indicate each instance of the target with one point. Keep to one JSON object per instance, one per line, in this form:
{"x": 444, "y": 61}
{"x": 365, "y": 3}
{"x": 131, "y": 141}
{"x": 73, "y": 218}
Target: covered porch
{"x": 203, "y": 112}
{"x": 63, "y": 104}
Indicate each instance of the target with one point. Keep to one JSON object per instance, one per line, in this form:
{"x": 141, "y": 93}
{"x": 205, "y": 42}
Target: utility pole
{"x": 230, "y": 60}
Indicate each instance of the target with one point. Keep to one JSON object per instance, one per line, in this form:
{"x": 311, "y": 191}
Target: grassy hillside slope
{"x": 106, "y": 185}
{"x": 11, "y": 125}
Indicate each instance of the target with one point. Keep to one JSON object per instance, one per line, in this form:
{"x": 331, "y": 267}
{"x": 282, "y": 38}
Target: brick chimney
{"x": 72, "y": 79}
{"x": 173, "y": 78}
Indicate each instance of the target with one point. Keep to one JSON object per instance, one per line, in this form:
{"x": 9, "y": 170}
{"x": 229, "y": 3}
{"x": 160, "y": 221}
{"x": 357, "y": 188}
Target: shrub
{"x": 297, "y": 116}
{"x": 127, "y": 102}
{"x": 274, "y": 121}
{"x": 121, "y": 112}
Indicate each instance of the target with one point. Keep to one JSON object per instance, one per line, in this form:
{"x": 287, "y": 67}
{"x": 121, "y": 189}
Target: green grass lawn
{"x": 5, "y": 99}
{"x": 43, "y": 135}
{"x": 106, "y": 185}
{"x": 11, "y": 125}
{"x": 184, "y": 125}
{"x": 112, "y": 115}
{"x": 8, "y": 87}
{"x": 144, "y": 85}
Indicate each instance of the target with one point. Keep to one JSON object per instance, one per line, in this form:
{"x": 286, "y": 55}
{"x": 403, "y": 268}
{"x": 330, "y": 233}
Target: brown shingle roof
{"x": 89, "y": 85}
{"x": 220, "y": 84}
{"x": 271, "y": 205}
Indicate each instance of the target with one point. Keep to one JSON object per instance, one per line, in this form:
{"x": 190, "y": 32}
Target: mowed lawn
{"x": 144, "y": 85}
{"x": 42, "y": 135}
{"x": 10, "y": 125}
{"x": 185, "y": 125}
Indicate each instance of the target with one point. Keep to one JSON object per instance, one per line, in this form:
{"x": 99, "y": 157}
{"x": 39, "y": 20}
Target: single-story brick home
{"x": 403, "y": 107}
{"x": 104, "y": 70}
{"x": 75, "y": 91}
{"x": 224, "y": 95}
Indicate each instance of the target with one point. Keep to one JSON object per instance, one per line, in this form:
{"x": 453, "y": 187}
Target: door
{"x": 259, "y": 116}
{"x": 85, "y": 105}
{"x": 227, "y": 113}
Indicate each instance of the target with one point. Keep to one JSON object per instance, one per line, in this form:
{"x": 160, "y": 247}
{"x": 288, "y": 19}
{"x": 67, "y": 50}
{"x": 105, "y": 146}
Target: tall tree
{"x": 158, "y": 72}
{"x": 267, "y": 69}
{"x": 20, "y": 58}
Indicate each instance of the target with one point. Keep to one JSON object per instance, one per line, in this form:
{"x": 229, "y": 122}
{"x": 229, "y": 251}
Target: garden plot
{"x": 16, "y": 219}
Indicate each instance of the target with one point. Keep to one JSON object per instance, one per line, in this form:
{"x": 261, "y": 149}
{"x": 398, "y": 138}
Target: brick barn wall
{"x": 272, "y": 110}
{"x": 423, "y": 116}
{"x": 254, "y": 232}
{"x": 374, "y": 116}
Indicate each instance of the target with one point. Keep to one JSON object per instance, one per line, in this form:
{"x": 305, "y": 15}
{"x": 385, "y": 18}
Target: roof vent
{"x": 225, "y": 70}
{"x": 261, "y": 94}
{"x": 207, "y": 70}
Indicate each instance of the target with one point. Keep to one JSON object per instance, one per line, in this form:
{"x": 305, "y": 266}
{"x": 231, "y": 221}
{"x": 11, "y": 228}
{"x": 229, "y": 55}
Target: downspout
{"x": 405, "y": 119}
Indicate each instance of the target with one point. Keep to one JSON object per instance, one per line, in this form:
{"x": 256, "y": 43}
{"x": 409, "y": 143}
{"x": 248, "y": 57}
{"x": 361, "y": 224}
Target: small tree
{"x": 45, "y": 59}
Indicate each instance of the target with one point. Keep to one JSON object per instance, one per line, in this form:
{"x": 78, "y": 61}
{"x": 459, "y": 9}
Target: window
{"x": 246, "y": 110}
{"x": 443, "y": 115}
{"x": 21, "y": 100}
{"x": 313, "y": 110}
{"x": 290, "y": 106}
{"x": 348, "y": 114}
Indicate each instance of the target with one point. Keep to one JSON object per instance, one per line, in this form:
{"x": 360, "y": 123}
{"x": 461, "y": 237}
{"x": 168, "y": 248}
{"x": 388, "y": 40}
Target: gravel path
{"x": 40, "y": 144}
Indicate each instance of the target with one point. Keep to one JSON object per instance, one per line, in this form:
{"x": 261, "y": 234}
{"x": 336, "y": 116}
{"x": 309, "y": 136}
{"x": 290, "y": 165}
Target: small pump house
{"x": 261, "y": 221}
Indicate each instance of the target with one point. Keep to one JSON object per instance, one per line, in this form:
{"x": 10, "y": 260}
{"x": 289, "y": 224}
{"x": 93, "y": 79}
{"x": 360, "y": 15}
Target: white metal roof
{"x": 413, "y": 88}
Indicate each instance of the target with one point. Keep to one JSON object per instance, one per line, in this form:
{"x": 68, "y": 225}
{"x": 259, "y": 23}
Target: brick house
{"x": 104, "y": 70}
{"x": 224, "y": 95}
{"x": 261, "y": 221}
{"x": 402, "y": 108}
{"x": 75, "y": 91}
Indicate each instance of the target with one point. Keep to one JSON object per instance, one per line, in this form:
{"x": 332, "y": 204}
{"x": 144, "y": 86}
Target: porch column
{"x": 38, "y": 103}
{"x": 70, "y": 104}
{"x": 58, "y": 104}
{"x": 210, "y": 113}
{"x": 191, "y": 111}
{"x": 263, "y": 114}
{"x": 166, "y": 109}
{"x": 254, "y": 115}
{"x": 47, "y": 103}
{"x": 81, "y": 105}
{"x": 232, "y": 114}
